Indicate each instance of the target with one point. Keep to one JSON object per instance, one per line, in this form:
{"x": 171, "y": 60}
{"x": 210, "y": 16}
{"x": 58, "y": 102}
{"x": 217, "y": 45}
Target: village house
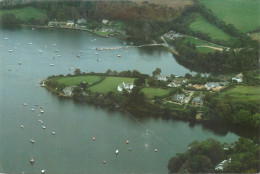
{"x": 161, "y": 77}
{"x": 68, "y": 90}
{"x": 238, "y": 78}
{"x": 127, "y": 87}
{"x": 82, "y": 21}
{"x": 179, "y": 98}
{"x": 70, "y": 23}
{"x": 197, "y": 101}
{"x": 177, "y": 82}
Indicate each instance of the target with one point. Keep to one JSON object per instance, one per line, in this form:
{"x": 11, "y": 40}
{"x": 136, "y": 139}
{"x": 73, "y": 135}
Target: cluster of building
{"x": 222, "y": 164}
{"x": 125, "y": 86}
{"x": 172, "y": 35}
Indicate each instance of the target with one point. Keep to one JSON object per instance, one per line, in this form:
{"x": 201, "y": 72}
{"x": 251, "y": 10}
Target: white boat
{"x": 96, "y": 53}
{"x": 6, "y": 38}
{"x": 32, "y": 141}
{"x": 58, "y": 55}
{"x": 56, "y": 51}
{"x": 30, "y": 43}
{"x": 51, "y": 64}
{"x": 43, "y": 127}
{"x": 156, "y": 150}
{"x": 22, "y": 126}
{"x": 32, "y": 160}
{"x": 41, "y": 111}
{"x": 71, "y": 69}
{"x": 118, "y": 55}
{"x": 43, "y": 171}
{"x": 32, "y": 109}
{"x": 25, "y": 104}
{"x": 98, "y": 60}
{"x": 40, "y": 51}
{"x": 10, "y": 50}
{"x": 54, "y": 44}
{"x": 80, "y": 51}
{"x": 53, "y": 133}
{"x": 117, "y": 151}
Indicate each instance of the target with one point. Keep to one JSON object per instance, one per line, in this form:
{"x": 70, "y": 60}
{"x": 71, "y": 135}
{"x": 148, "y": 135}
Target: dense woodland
{"x": 203, "y": 157}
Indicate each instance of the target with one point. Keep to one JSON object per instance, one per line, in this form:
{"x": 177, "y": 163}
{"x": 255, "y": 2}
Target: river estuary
{"x": 71, "y": 149}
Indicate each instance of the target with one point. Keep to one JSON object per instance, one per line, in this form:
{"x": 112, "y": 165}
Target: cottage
{"x": 179, "y": 98}
{"x": 161, "y": 77}
{"x": 127, "y": 87}
{"x": 82, "y": 21}
{"x": 68, "y": 90}
{"x": 70, "y": 23}
{"x": 197, "y": 101}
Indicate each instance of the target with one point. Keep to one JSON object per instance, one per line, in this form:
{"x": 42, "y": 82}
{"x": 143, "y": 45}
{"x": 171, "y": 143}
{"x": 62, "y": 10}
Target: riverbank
{"x": 98, "y": 33}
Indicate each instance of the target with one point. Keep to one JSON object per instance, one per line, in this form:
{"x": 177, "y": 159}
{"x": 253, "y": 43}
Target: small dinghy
{"x": 43, "y": 127}
{"x": 117, "y": 151}
{"x": 22, "y": 126}
{"x": 32, "y": 141}
{"x": 32, "y": 160}
{"x": 53, "y": 133}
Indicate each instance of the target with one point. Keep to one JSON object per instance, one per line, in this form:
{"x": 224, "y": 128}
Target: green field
{"x": 244, "y": 14}
{"x": 152, "y": 92}
{"x": 243, "y": 94}
{"x": 201, "y": 24}
{"x": 26, "y": 13}
{"x": 69, "y": 81}
{"x": 198, "y": 42}
{"x": 110, "y": 84}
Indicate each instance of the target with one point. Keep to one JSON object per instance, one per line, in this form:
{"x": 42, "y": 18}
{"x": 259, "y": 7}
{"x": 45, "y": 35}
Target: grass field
{"x": 201, "y": 24}
{"x": 198, "y": 42}
{"x": 26, "y": 13}
{"x": 152, "y": 92}
{"x": 244, "y": 14}
{"x": 110, "y": 84}
{"x": 243, "y": 94}
{"x": 69, "y": 81}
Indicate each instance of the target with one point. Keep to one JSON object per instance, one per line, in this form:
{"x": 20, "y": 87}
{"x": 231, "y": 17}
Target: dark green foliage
{"x": 9, "y": 20}
{"x": 140, "y": 81}
{"x": 205, "y": 156}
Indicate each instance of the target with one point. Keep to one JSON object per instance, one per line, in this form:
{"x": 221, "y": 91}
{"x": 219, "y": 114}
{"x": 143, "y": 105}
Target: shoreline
{"x": 78, "y": 29}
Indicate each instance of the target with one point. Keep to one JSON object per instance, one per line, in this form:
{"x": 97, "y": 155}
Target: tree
{"x": 140, "y": 81}
{"x": 198, "y": 164}
{"x": 77, "y": 72}
{"x": 9, "y": 20}
{"x": 156, "y": 72}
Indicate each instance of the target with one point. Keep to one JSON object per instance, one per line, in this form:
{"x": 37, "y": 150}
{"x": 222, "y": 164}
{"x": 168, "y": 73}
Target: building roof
{"x": 197, "y": 99}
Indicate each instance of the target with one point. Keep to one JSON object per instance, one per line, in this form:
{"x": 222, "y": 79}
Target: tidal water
{"x": 71, "y": 149}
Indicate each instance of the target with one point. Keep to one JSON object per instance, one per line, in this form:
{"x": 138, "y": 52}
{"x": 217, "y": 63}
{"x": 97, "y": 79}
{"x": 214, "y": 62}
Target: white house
{"x": 161, "y": 78}
{"x": 127, "y": 87}
{"x": 70, "y": 23}
{"x": 104, "y": 21}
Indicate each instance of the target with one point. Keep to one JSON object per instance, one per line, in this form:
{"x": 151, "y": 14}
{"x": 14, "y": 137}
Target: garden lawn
{"x": 244, "y": 14}
{"x": 152, "y": 92}
{"x": 69, "y": 81}
{"x": 26, "y": 13}
{"x": 244, "y": 94}
{"x": 110, "y": 84}
{"x": 203, "y": 25}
